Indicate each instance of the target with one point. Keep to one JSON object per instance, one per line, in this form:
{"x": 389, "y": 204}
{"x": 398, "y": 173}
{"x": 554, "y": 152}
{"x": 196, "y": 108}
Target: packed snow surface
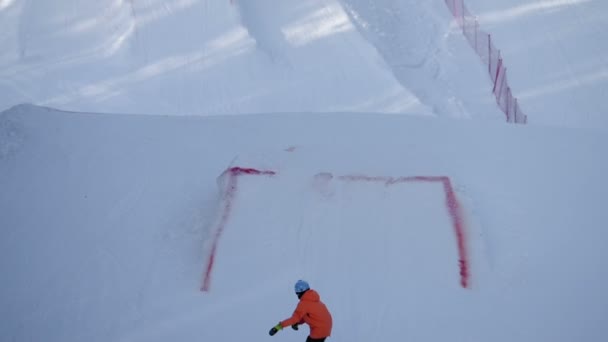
{"x": 108, "y": 221}
{"x": 117, "y": 203}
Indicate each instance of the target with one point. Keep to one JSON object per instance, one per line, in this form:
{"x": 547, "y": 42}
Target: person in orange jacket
{"x": 310, "y": 310}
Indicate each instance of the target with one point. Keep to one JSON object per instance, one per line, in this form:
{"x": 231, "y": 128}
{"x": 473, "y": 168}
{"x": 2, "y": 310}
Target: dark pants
{"x": 308, "y": 339}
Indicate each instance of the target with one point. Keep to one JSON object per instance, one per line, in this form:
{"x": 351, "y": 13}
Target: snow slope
{"x": 233, "y": 57}
{"x": 206, "y": 57}
{"x": 107, "y": 223}
{"x": 556, "y": 56}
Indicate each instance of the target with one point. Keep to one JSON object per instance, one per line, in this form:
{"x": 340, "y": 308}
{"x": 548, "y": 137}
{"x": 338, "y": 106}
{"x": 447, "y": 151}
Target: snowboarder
{"x": 310, "y": 310}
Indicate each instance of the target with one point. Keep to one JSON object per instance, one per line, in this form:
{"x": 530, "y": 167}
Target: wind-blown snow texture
{"x": 558, "y": 63}
{"x": 231, "y": 57}
{"x": 107, "y": 221}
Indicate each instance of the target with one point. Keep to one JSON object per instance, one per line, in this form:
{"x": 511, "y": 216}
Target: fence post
{"x": 463, "y": 21}
{"x": 490, "y": 55}
{"x": 497, "y": 72}
{"x": 464, "y": 18}
{"x": 502, "y": 83}
{"x": 476, "y": 29}
{"x": 508, "y": 107}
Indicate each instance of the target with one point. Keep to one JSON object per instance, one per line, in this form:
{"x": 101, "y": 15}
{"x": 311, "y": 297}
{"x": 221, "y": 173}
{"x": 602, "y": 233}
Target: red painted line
{"x": 452, "y": 205}
{"x": 458, "y": 223}
{"x": 248, "y": 171}
{"x": 228, "y": 198}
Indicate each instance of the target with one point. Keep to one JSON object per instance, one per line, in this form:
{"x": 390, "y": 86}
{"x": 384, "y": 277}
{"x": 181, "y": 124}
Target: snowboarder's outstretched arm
{"x": 295, "y": 319}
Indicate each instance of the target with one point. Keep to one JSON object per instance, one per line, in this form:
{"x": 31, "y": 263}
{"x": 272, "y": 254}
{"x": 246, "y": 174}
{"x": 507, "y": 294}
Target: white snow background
{"x": 108, "y": 218}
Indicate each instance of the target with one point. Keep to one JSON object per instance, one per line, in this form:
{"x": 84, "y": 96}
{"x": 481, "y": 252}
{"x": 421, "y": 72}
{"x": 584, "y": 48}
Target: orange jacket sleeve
{"x": 297, "y": 317}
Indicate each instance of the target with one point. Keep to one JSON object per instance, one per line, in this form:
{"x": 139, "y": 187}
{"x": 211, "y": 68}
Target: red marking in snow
{"x": 451, "y": 201}
{"x": 236, "y": 171}
{"x": 452, "y": 205}
{"x": 458, "y": 224}
{"x": 229, "y": 195}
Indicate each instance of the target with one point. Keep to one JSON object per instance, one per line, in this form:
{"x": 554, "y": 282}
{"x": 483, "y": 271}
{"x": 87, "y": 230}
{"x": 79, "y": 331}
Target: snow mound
{"x": 11, "y": 135}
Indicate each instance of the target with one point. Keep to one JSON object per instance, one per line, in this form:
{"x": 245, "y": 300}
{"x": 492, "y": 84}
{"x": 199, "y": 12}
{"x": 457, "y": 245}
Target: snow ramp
{"x": 351, "y": 236}
{"x": 107, "y": 224}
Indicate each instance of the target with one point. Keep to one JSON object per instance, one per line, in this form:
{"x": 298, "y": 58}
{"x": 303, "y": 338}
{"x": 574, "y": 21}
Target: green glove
{"x": 275, "y": 329}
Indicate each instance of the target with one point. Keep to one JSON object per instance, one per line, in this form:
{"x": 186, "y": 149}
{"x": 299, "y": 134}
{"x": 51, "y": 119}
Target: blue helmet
{"x": 301, "y": 286}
